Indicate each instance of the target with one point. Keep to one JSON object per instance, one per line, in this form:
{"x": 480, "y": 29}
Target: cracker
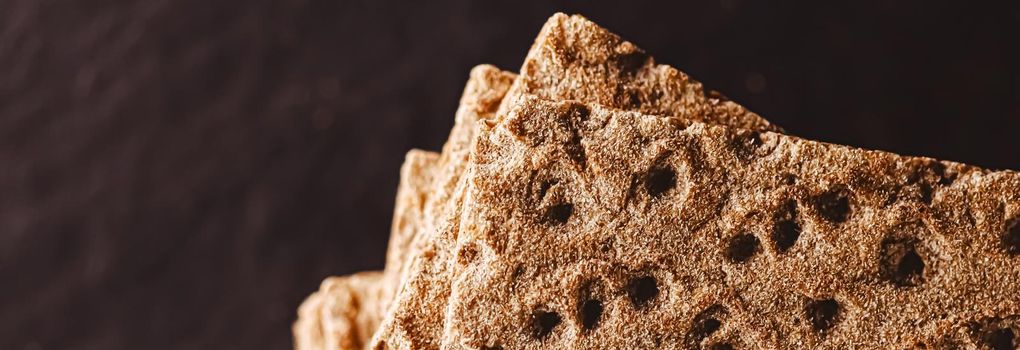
{"x": 575, "y": 59}
{"x": 416, "y": 178}
{"x": 485, "y": 89}
{"x": 588, "y": 227}
{"x": 426, "y": 184}
{"x": 572, "y": 58}
{"x": 342, "y": 315}
{"x": 347, "y": 310}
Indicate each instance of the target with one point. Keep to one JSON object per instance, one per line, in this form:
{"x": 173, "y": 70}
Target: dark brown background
{"x": 181, "y": 173}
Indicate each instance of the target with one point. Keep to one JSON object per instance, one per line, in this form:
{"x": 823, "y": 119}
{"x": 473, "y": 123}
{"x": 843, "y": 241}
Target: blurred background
{"x": 180, "y": 174}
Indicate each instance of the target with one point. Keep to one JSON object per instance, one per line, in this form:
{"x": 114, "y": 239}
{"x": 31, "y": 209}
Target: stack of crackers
{"x": 599, "y": 200}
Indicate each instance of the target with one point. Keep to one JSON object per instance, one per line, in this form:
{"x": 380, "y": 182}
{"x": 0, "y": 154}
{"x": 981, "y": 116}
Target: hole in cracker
{"x": 933, "y": 172}
{"x": 926, "y": 193}
{"x": 822, "y": 314}
{"x": 786, "y": 230}
{"x": 575, "y": 151}
{"x": 1001, "y": 339}
{"x": 544, "y": 187}
{"x": 1011, "y": 239}
{"x": 659, "y": 180}
{"x": 631, "y": 60}
{"x": 938, "y": 169}
{"x": 706, "y": 323}
{"x": 591, "y": 312}
{"x": 789, "y": 179}
{"x": 642, "y": 290}
{"x": 901, "y": 264}
{"x": 579, "y": 111}
{"x": 558, "y": 214}
{"x": 834, "y": 204}
{"x": 742, "y": 247}
{"x": 721, "y": 346}
{"x": 631, "y": 100}
{"x": 543, "y": 322}
{"x": 747, "y": 144}
{"x": 493, "y": 347}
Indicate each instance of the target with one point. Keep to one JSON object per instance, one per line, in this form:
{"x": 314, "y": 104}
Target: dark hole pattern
{"x": 559, "y": 214}
{"x": 591, "y": 312}
{"x": 901, "y": 264}
{"x": 721, "y": 346}
{"x": 543, "y": 323}
{"x": 787, "y": 229}
{"x": 747, "y": 145}
{"x": 1011, "y": 239}
{"x": 945, "y": 179}
{"x": 575, "y": 150}
{"x": 834, "y": 205}
{"x": 935, "y": 173}
{"x": 642, "y": 291}
{"x": 822, "y": 314}
{"x": 926, "y": 193}
{"x": 518, "y": 272}
{"x": 633, "y": 100}
{"x": 543, "y": 189}
{"x": 660, "y": 180}
{"x": 705, "y": 324}
{"x": 630, "y": 62}
{"x": 493, "y": 347}
{"x": 742, "y": 247}
{"x": 1001, "y": 339}
{"x": 789, "y": 179}
{"x": 579, "y": 112}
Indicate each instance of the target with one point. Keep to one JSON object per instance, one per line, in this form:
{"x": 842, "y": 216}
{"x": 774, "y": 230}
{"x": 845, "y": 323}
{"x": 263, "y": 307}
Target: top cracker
{"x": 575, "y": 59}
{"x": 572, "y": 59}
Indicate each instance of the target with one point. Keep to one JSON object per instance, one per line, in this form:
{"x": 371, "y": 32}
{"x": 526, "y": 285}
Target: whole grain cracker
{"x": 426, "y": 183}
{"x": 590, "y": 228}
{"x": 572, "y": 58}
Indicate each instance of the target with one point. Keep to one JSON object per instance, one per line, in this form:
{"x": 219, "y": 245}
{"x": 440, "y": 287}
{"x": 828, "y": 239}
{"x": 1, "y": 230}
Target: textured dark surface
{"x": 181, "y": 173}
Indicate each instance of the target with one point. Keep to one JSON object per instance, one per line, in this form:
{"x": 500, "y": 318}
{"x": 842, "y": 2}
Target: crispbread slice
{"x": 572, "y": 58}
{"x": 426, "y": 183}
{"x": 347, "y": 310}
{"x": 416, "y": 179}
{"x": 342, "y": 315}
{"x": 588, "y": 227}
{"x": 485, "y": 89}
{"x": 575, "y": 59}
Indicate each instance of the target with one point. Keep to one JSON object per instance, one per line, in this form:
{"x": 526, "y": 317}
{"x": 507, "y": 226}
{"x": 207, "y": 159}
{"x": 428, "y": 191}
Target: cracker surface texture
{"x": 591, "y": 228}
{"x": 572, "y": 59}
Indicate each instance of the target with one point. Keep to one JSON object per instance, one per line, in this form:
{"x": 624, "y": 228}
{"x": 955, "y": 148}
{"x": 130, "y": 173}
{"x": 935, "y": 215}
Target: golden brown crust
{"x": 778, "y": 241}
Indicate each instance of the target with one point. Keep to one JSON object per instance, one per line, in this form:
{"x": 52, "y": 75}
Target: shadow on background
{"x": 181, "y": 173}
